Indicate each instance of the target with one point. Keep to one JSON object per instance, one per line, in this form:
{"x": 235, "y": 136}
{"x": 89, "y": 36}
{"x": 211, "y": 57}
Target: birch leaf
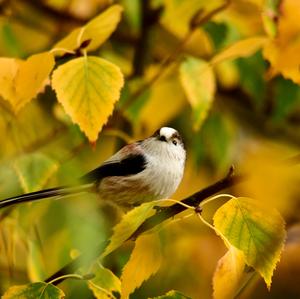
{"x": 256, "y": 230}
{"x": 39, "y": 290}
{"x": 104, "y": 283}
{"x": 98, "y": 30}
{"x": 228, "y": 275}
{"x": 129, "y": 224}
{"x": 172, "y": 295}
{"x": 88, "y": 87}
{"x": 242, "y": 48}
{"x": 283, "y": 51}
{"x": 20, "y": 80}
{"x": 198, "y": 81}
{"x": 146, "y": 257}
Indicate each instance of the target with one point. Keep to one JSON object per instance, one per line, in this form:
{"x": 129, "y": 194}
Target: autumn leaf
{"x": 129, "y": 224}
{"x": 256, "y": 230}
{"x": 20, "y": 80}
{"x": 144, "y": 261}
{"x": 198, "y": 81}
{"x": 34, "y": 170}
{"x": 178, "y": 14}
{"x": 104, "y": 283}
{"x": 228, "y": 274}
{"x": 283, "y": 51}
{"x": 39, "y": 290}
{"x": 88, "y": 87}
{"x": 97, "y": 31}
{"x": 165, "y": 110}
{"x": 172, "y": 295}
{"x": 242, "y": 48}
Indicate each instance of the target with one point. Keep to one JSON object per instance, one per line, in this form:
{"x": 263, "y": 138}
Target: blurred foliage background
{"x": 251, "y": 120}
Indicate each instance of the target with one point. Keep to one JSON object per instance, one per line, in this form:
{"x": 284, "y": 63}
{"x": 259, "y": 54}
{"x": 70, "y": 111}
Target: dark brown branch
{"x": 149, "y": 17}
{"x": 160, "y": 216}
{"x": 193, "y": 200}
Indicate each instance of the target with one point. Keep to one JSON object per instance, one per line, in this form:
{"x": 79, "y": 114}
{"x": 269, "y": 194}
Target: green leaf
{"x": 34, "y": 171}
{"x": 97, "y": 30}
{"x": 146, "y": 257}
{"x": 88, "y": 87}
{"x": 104, "y": 283}
{"x": 35, "y": 261}
{"x": 172, "y": 295}
{"x": 40, "y": 290}
{"x": 198, "y": 81}
{"x": 258, "y": 231}
{"x": 129, "y": 224}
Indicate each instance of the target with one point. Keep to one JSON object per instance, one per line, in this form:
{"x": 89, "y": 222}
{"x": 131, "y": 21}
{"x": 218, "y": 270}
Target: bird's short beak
{"x": 162, "y": 138}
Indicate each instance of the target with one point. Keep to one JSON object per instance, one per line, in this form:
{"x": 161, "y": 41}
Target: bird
{"x": 143, "y": 171}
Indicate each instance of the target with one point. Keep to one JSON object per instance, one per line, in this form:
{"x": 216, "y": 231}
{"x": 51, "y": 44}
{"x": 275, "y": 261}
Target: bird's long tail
{"x": 47, "y": 193}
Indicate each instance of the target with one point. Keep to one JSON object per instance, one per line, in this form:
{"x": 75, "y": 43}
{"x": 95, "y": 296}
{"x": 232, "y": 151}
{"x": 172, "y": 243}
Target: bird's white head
{"x": 166, "y": 142}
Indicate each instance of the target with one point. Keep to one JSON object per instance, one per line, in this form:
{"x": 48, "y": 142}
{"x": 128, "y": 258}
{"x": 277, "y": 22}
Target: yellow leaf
{"x": 172, "y": 295}
{"x": 129, "y": 224}
{"x": 97, "y": 30}
{"x": 144, "y": 261}
{"x": 258, "y": 231}
{"x": 178, "y": 14}
{"x": 283, "y": 51}
{"x": 104, "y": 283}
{"x": 165, "y": 110}
{"x": 242, "y": 48}
{"x": 20, "y": 81}
{"x": 88, "y": 87}
{"x": 228, "y": 274}
{"x": 198, "y": 81}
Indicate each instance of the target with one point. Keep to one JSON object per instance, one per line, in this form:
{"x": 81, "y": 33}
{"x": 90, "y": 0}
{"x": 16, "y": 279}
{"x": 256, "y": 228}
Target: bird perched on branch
{"x": 146, "y": 170}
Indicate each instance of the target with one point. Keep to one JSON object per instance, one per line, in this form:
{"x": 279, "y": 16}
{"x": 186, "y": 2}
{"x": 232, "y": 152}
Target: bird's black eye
{"x": 174, "y": 142}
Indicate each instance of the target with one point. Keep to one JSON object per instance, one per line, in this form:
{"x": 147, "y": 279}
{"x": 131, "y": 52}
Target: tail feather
{"x": 43, "y": 194}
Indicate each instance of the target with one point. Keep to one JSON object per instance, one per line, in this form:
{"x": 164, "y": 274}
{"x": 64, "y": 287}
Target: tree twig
{"x": 149, "y": 17}
{"x": 193, "y": 200}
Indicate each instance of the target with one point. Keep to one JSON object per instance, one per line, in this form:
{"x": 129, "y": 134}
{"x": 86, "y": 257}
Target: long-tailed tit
{"x": 146, "y": 170}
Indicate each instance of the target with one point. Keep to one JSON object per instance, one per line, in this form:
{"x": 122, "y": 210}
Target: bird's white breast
{"x": 159, "y": 179}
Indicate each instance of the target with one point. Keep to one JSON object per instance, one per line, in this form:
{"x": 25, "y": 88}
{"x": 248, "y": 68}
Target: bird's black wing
{"x": 131, "y": 164}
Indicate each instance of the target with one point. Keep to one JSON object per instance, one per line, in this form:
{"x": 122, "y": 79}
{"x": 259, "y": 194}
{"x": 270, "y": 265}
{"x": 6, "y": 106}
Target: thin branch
{"x": 160, "y": 216}
{"x": 193, "y": 200}
{"x": 148, "y": 18}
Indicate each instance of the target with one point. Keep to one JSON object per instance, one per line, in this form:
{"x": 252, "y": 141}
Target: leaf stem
{"x": 203, "y": 203}
{"x": 227, "y": 243}
{"x": 63, "y": 277}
